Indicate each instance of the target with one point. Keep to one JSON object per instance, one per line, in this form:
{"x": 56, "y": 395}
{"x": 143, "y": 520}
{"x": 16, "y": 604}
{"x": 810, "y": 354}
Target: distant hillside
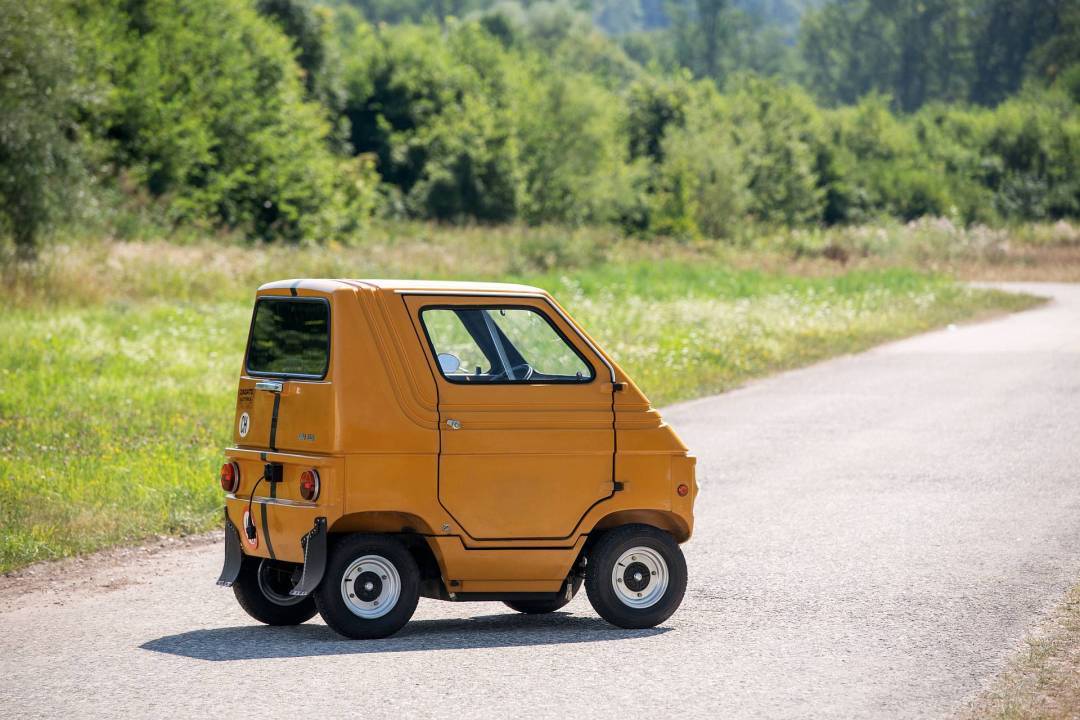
{"x": 621, "y": 16}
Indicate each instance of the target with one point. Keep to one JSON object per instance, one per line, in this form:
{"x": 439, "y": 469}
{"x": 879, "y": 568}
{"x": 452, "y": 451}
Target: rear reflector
{"x": 683, "y": 490}
{"x": 309, "y": 484}
{"x": 230, "y": 477}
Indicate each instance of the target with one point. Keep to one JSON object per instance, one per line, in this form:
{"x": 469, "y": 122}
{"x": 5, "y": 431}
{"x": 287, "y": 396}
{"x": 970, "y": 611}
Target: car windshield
{"x": 501, "y": 345}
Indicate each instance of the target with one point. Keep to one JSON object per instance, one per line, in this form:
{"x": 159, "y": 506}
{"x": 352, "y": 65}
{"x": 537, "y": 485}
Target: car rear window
{"x": 290, "y": 336}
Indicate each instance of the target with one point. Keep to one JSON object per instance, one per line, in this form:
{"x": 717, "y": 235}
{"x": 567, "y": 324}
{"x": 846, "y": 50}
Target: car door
{"x": 526, "y": 426}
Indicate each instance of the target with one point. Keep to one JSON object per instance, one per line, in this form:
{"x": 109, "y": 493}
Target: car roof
{"x": 405, "y": 286}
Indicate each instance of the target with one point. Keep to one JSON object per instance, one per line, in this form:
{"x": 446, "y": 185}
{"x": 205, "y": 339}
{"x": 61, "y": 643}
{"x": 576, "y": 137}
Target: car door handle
{"x": 273, "y": 386}
{"x": 453, "y": 424}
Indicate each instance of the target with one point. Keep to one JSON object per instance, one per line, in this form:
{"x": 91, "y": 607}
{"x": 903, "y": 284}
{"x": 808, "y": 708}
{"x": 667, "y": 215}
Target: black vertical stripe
{"x": 273, "y": 422}
{"x": 266, "y": 524}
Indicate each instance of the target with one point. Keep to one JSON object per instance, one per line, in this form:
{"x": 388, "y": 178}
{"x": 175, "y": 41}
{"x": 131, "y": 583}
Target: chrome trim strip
{"x": 262, "y": 500}
{"x": 314, "y": 459}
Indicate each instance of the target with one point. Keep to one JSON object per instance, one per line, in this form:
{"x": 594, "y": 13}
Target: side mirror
{"x": 449, "y": 363}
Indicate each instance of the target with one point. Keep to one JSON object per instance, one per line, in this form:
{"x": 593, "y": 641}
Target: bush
{"x": 467, "y": 129}
{"x": 205, "y": 108}
{"x": 435, "y": 119}
{"x": 1034, "y": 158}
{"x": 572, "y": 154}
{"x": 777, "y": 127}
{"x": 702, "y": 185}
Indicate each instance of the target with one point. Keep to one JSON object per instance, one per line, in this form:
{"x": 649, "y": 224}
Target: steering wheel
{"x": 522, "y": 371}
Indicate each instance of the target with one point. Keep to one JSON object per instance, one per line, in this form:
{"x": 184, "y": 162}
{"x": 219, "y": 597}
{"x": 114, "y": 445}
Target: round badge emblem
{"x": 245, "y": 424}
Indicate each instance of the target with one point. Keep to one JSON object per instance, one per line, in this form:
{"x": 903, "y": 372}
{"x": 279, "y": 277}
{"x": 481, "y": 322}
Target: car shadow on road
{"x": 254, "y": 642}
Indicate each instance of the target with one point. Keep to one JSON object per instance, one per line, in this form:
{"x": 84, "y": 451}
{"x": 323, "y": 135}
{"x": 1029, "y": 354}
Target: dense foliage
{"x": 284, "y": 119}
{"x": 923, "y": 50}
{"x": 37, "y": 149}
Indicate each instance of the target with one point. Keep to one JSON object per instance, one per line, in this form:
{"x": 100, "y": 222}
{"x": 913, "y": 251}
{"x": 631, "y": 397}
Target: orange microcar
{"x": 459, "y": 441}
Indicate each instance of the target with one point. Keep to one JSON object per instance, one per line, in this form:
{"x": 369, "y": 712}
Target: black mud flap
{"x": 314, "y": 559}
{"x": 234, "y": 556}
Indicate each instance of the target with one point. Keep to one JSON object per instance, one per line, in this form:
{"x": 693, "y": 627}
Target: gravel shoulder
{"x": 1043, "y": 678}
{"x": 97, "y": 573}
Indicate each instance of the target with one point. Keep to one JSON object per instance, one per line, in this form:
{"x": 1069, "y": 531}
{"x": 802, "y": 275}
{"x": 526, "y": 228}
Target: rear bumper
{"x": 279, "y": 511}
{"x": 279, "y": 525}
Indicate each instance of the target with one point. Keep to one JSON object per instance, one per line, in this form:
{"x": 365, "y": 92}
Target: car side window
{"x": 497, "y": 345}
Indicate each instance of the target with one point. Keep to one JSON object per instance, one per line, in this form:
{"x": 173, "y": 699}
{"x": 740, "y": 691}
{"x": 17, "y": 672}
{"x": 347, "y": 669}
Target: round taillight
{"x": 309, "y": 484}
{"x": 230, "y": 477}
{"x": 683, "y": 490}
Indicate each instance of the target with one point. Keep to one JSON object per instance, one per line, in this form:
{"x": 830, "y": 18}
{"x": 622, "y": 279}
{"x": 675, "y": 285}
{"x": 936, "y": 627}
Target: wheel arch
{"x": 381, "y": 522}
{"x": 667, "y": 521}
{"x": 408, "y": 529}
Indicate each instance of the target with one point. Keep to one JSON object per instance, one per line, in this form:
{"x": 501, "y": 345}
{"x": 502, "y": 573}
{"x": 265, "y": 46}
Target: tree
{"x": 1017, "y": 38}
{"x": 431, "y": 107}
{"x": 709, "y": 14}
{"x": 571, "y": 148}
{"x": 912, "y": 50}
{"x": 38, "y": 151}
{"x": 399, "y": 11}
{"x": 701, "y": 185}
{"x": 215, "y": 124}
{"x": 776, "y": 128}
{"x": 917, "y": 51}
{"x": 315, "y": 52}
{"x": 653, "y": 106}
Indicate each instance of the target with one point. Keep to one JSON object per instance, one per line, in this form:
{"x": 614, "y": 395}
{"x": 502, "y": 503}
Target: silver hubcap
{"x": 275, "y": 583}
{"x": 370, "y": 586}
{"x": 640, "y": 577}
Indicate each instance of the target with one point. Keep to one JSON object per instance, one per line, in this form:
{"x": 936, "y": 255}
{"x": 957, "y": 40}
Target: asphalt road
{"x": 875, "y": 536}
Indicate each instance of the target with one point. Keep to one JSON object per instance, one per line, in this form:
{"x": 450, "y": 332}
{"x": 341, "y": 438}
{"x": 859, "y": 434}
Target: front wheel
{"x": 636, "y": 576}
{"x": 370, "y": 588}
{"x": 262, "y": 589}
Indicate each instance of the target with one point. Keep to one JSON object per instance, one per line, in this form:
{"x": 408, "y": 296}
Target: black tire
{"x": 262, "y": 589}
{"x": 540, "y": 606}
{"x": 346, "y": 558}
{"x": 635, "y": 580}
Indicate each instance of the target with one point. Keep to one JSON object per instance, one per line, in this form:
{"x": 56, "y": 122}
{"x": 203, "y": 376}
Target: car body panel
{"x": 506, "y": 502}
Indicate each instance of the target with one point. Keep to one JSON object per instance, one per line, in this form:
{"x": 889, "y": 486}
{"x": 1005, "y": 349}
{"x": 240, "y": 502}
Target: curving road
{"x": 875, "y": 536}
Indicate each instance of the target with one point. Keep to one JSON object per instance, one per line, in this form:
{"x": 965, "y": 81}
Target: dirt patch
{"x": 1041, "y": 264}
{"x": 99, "y": 572}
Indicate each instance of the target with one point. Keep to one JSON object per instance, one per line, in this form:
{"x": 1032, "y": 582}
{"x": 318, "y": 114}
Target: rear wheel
{"x": 370, "y": 588}
{"x": 539, "y": 606}
{"x": 262, "y": 589}
{"x": 636, "y": 576}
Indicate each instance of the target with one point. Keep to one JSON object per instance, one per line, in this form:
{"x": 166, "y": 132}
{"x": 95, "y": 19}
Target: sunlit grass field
{"x": 119, "y": 363}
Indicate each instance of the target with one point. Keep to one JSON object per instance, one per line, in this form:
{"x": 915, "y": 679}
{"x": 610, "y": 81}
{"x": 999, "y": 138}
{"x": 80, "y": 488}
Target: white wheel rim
{"x": 370, "y": 586}
{"x": 640, "y": 577}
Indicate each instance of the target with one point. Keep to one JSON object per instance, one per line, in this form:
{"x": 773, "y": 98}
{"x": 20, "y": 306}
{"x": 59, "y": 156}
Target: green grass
{"x": 119, "y": 363}
{"x": 704, "y": 330}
